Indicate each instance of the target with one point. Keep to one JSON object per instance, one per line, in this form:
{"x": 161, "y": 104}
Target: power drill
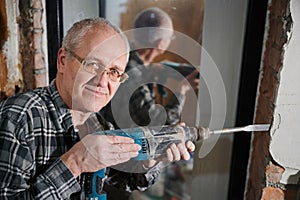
{"x": 154, "y": 142}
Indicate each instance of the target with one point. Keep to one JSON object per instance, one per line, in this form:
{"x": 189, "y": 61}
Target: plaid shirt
{"x": 138, "y": 98}
{"x": 36, "y": 128}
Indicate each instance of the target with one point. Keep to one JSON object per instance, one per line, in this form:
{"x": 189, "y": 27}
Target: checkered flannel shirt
{"x": 36, "y": 128}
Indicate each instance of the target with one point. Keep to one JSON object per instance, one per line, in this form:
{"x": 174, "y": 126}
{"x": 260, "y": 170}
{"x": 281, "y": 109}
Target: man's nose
{"x": 102, "y": 78}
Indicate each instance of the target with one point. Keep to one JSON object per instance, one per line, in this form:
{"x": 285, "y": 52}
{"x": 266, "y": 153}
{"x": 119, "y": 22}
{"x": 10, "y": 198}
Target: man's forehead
{"x": 107, "y": 46}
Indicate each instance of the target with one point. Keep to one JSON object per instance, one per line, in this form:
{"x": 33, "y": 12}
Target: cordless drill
{"x": 154, "y": 142}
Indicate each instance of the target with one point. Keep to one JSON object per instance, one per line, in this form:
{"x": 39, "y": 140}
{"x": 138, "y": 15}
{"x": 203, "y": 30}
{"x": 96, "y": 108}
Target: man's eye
{"x": 114, "y": 72}
{"x": 93, "y": 65}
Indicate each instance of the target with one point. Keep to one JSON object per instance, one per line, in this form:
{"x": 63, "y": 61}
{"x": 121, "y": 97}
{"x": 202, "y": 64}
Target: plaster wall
{"x": 285, "y": 134}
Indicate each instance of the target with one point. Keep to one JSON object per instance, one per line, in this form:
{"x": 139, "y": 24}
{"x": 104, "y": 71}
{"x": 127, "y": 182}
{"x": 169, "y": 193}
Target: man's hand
{"x": 179, "y": 151}
{"x": 175, "y": 152}
{"x": 95, "y": 152}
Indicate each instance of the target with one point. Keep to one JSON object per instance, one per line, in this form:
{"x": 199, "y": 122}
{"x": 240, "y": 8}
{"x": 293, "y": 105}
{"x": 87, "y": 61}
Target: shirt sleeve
{"x": 18, "y": 173}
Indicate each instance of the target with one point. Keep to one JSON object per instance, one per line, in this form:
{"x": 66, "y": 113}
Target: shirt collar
{"x": 64, "y": 115}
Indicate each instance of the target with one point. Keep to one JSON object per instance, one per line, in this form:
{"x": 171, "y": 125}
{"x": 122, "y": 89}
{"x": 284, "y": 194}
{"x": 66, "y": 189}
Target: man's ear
{"x": 61, "y": 59}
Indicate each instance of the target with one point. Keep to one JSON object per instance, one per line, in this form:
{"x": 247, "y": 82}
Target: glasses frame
{"x": 123, "y": 77}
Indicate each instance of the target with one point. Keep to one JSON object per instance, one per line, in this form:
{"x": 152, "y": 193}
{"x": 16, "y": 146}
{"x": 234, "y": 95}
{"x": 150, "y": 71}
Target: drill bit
{"x": 249, "y": 128}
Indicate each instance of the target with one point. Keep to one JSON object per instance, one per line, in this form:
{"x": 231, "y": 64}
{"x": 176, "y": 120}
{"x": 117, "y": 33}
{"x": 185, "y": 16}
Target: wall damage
{"x": 23, "y": 59}
{"x": 11, "y": 77}
{"x": 265, "y": 173}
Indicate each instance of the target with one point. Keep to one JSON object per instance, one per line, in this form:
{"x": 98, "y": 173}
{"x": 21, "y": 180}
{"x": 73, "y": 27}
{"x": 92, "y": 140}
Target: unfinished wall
{"x": 23, "y": 53}
{"x": 278, "y": 104}
{"x": 33, "y": 45}
{"x": 10, "y": 65}
{"x": 285, "y": 136}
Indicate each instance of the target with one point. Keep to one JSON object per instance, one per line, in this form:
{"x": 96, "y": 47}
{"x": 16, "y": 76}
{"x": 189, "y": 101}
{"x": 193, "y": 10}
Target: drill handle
{"x": 95, "y": 185}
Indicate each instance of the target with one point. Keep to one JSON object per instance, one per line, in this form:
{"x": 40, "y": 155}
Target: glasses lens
{"x": 97, "y": 68}
{"x": 91, "y": 67}
{"x": 112, "y": 77}
{"x": 123, "y": 78}
{"x": 114, "y": 74}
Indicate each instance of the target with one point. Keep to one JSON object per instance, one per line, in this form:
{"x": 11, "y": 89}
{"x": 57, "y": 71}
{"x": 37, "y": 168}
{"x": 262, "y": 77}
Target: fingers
{"x": 175, "y": 152}
{"x": 181, "y": 124}
{"x": 123, "y": 145}
{"x": 183, "y": 151}
{"x": 119, "y": 148}
{"x": 120, "y": 139}
{"x": 123, "y": 156}
{"x": 169, "y": 155}
{"x": 103, "y": 151}
{"x": 190, "y": 146}
{"x": 179, "y": 151}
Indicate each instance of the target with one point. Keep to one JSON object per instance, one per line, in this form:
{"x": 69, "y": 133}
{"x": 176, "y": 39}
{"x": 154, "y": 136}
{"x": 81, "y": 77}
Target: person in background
{"x": 152, "y": 35}
{"x": 153, "y": 32}
{"x": 46, "y": 147}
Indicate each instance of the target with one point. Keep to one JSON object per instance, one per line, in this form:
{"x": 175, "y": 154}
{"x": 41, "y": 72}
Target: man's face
{"x": 90, "y": 92}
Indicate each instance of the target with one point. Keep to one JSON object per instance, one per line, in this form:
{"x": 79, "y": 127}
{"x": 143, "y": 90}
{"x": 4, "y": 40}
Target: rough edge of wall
{"x": 11, "y": 76}
{"x": 23, "y": 53}
{"x": 262, "y": 168}
{"x": 32, "y": 43}
{"x": 39, "y": 43}
{"x": 3, "y": 39}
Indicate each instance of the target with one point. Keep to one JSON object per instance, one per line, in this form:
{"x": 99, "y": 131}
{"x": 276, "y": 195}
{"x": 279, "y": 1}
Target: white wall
{"x": 114, "y": 9}
{"x": 285, "y": 143}
{"x": 223, "y": 38}
{"x": 76, "y": 10}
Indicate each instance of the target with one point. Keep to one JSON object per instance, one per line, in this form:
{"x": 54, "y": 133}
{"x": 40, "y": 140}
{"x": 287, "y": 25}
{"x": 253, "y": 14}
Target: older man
{"x": 45, "y": 145}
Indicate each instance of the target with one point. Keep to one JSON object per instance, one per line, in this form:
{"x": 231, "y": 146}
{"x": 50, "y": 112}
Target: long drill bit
{"x": 249, "y": 128}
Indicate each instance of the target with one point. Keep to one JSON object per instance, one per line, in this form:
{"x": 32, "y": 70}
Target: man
{"x": 152, "y": 35}
{"x": 45, "y": 145}
{"x": 153, "y": 32}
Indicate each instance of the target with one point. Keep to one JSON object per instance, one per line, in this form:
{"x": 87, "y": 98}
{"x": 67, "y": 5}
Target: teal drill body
{"x": 153, "y": 141}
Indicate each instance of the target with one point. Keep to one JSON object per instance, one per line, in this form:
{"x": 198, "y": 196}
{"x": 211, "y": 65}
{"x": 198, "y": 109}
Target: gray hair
{"x": 151, "y": 17}
{"x": 75, "y": 35}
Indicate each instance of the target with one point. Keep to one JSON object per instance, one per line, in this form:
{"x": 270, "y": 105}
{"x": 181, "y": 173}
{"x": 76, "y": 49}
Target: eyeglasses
{"x": 96, "y": 68}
